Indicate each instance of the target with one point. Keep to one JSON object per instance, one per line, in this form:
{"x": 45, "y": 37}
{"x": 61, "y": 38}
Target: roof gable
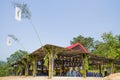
{"x": 78, "y": 46}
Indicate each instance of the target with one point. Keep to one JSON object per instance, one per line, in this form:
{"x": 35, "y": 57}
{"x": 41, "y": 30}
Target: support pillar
{"x": 111, "y": 67}
{"x": 85, "y": 64}
{"x": 100, "y": 70}
{"x": 42, "y": 66}
{"x": 51, "y": 63}
{"x": 34, "y": 66}
{"x": 61, "y": 68}
{"x": 26, "y": 70}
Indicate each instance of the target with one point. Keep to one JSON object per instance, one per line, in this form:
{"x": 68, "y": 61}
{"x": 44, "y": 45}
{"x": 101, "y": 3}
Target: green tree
{"x": 3, "y": 68}
{"x": 87, "y": 42}
{"x": 109, "y": 47}
{"x": 2, "y": 63}
{"x": 16, "y": 57}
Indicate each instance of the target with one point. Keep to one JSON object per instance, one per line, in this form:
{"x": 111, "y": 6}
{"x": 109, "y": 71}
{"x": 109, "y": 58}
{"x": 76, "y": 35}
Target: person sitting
{"x": 70, "y": 72}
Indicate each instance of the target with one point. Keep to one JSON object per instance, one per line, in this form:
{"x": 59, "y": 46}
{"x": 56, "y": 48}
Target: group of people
{"x": 73, "y": 72}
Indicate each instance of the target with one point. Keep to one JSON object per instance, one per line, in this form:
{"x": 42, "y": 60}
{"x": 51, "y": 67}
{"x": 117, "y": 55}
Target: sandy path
{"x": 115, "y": 76}
{"x": 46, "y": 78}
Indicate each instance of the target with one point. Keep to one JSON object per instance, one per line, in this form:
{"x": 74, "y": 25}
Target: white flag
{"x": 18, "y": 13}
{"x": 9, "y": 41}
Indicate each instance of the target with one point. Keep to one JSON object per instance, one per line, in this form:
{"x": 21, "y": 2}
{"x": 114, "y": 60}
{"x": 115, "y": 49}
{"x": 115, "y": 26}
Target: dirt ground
{"x": 115, "y": 76}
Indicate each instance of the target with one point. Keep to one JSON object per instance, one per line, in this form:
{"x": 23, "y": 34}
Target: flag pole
{"x": 36, "y": 31}
{"x": 23, "y": 12}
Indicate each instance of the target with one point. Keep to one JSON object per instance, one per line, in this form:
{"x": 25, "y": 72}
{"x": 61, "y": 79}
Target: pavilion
{"x": 58, "y": 59}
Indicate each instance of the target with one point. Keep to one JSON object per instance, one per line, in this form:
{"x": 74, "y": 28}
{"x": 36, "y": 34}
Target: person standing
{"x": 70, "y": 72}
{"x": 76, "y": 72}
{"x": 105, "y": 72}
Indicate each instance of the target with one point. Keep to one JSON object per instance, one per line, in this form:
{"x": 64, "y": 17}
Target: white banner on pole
{"x": 9, "y": 41}
{"x": 18, "y": 13}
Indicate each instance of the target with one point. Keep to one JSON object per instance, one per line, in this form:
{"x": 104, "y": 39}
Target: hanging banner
{"x": 18, "y": 13}
{"x": 9, "y": 41}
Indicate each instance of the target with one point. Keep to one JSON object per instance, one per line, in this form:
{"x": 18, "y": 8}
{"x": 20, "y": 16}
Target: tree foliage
{"x": 109, "y": 47}
{"x": 3, "y": 68}
{"x": 16, "y": 56}
{"x": 2, "y": 63}
{"x": 87, "y": 42}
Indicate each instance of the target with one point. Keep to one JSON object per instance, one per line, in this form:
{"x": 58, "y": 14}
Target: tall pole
{"x": 36, "y": 32}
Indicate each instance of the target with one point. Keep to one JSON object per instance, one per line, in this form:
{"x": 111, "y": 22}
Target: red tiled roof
{"x": 78, "y": 46}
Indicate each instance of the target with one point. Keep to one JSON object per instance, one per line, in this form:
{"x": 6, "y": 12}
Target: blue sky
{"x": 57, "y": 22}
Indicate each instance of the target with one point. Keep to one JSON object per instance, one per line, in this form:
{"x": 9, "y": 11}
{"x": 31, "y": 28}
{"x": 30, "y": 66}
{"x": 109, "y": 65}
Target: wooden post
{"x": 26, "y": 70}
{"x": 100, "y": 68}
{"x": 111, "y": 67}
{"x": 51, "y": 65}
{"x": 42, "y": 66}
{"x": 34, "y": 66}
{"x": 61, "y": 68}
{"x": 100, "y": 71}
{"x": 85, "y": 63}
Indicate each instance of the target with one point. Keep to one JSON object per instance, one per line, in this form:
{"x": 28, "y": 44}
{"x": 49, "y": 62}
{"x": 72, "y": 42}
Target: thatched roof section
{"x": 41, "y": 52}
{"x": 101, "y": 59}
